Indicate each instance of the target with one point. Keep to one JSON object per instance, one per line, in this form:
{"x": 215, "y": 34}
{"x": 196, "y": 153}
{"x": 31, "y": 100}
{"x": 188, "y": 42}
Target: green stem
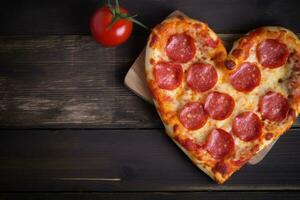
{"x": 115, "y": 10}
{"x": 138, "y": 22}
{"x": 117, "y": 6}
{"x": 113, "y": 21}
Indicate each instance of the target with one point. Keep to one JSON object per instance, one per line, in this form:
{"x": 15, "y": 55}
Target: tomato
{"x": 110, "y": 33}
{"x": 111, "y": 25}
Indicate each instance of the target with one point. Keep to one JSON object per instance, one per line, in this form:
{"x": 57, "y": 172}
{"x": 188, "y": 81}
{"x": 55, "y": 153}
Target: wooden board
{"x": 128, "y": 160}
{"x": 135, "y": 80}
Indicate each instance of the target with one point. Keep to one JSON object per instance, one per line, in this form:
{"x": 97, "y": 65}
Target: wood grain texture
{"x": 72, "y": 16}
{"x": 156, "y": 195}
{"x": 70, "y": 82}
{"x": 128, "y": 160}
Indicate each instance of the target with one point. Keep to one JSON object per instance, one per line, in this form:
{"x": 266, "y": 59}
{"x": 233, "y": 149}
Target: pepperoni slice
{"x": 221, "y": 167}
{"x": 180, "y": 48}
{"x": 201, "y": 77}
{"x": 210, "y": 42}
{"x": 247, "y": 126}
{"x": 168, "y": 75}
{"x": 219, "y": 144}
{"x": 274, "y": 107}
{"x": 246, "y": 78}
{"x": 271, "y": 53}
{"x": 192, "y": 116}
{"x": 219, "y": 105}
{"x": 229, "y": 64}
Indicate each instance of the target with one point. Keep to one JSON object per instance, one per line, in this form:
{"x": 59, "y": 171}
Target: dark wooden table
{"x": 71, "y": 129}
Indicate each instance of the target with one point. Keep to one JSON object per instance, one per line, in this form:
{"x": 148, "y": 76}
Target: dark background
{"x": 70, "y": 129}
{"x": 65, "y": 17}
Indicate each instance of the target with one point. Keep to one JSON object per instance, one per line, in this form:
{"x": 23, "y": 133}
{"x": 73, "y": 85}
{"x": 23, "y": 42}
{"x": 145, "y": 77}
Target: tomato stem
{"x": 117, "y": 6}
{"x": 109, "y": 5}
{"x": 113, "y": 21}
{"x": 131, "y": 18}
{"x": 115, "y": 11}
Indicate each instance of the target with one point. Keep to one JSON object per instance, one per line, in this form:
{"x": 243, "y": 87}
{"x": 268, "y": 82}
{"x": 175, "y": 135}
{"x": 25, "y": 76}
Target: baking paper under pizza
{"x": 222, "y": 109}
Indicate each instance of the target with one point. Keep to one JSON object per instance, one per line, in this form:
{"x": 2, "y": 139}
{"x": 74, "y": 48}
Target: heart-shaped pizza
{"x": 222, "y": 109}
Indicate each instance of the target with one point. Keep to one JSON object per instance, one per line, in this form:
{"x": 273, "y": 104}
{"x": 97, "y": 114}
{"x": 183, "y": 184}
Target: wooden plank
{"x": 128, "y": 160}
{"x": 157, "y": 195}
{"x": 72, "y": 16}
{"x": 70, "y": 82}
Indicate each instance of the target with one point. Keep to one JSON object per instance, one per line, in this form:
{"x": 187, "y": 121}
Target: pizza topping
{"x": 246, "y": 78}
{"x": 208, "y": 41}
{"x": 247, "y": 126}
{"x": 229, "y": 64}
{"x": 221, "y": 167}
{"x": 201, "y": 77}
{"x": 236, "y": 53}
{"x": 271, "y": 53}
{"x": 175, "y": 128}
{"x": 219, "y": 144}
{"x": 240, "y": 161}
{"x": 188, "y": 144}
{"x": 152, "y": 61}
{"x": 274, "y": 106}
{"x": 181, "y": 48}
{"x": 219, "y": 58}
{"x": 218, "y": 105}
{"x": 292, "y": 114}
{"x": 254, "y": 149}
{"x": 168, "y": 75}
{"x": 197, "y": 26}
{"x": 268, "y": 136}
{"x": 192, "y": 116}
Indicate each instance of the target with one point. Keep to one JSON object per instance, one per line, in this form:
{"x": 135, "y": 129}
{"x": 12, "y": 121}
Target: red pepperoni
{"x": 210, "y": 42}
{"x": 271, "y": 53}
{"x": 168, "y": 75}
{"x": 246, "y": 78}
{"x": 219, "y": 144}
{"x": 247, "y": 126}
{"x": 268, "y": 136}
{"x": 229, "y": 64}
{"x": 219, "y": 105}
{"x": 181, "y": 47}
{"x": 221, "y": 167}
{"x": 192, "y": 116}
{"x": 274, "y": 107}
{"x": 237, "y": 53}
{"x": 201, "y": 77}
